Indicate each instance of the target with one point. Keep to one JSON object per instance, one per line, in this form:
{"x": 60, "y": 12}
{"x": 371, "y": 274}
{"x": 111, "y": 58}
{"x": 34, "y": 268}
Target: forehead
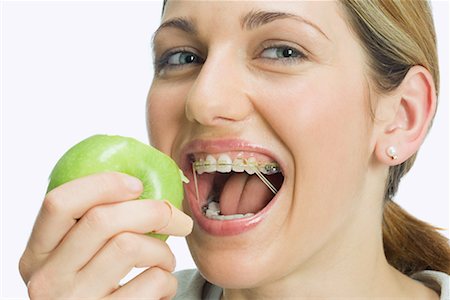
{"x": 326, "y": 15}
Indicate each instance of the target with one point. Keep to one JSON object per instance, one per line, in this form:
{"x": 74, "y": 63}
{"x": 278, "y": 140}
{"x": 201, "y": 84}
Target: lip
{"x": 223, "y": 227}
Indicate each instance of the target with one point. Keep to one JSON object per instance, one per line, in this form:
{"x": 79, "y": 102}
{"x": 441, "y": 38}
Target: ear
{"x": 411, "y": 110}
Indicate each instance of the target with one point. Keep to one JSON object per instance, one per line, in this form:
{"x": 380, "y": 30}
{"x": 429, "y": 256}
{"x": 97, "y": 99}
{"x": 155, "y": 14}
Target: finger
{"x": 154, "y": 283}
{"x": 103, "y": 222}
{"x": 65, "y": 204}
{"x": 178, "y": 223}
{"x": 68, "y": 202}
{"x": 115, "y": 260}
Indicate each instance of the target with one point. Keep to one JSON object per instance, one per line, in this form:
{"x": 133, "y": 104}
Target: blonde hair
{"x": 397, "y": 35}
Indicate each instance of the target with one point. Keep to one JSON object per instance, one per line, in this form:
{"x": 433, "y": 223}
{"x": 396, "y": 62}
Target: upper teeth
{"x": 225, "y": 164}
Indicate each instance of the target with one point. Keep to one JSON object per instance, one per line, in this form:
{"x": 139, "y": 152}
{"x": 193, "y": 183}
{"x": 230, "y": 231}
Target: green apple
{"x": 160, "y": 175}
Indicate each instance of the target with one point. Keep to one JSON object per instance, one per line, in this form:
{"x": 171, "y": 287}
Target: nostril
{"x": 217, "y": 102}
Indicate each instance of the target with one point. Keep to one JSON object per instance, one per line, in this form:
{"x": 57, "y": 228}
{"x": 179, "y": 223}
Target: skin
{"x": 322, "y": 239}
{"x": 74, "y": 242}
{"x": 325, "y": 232}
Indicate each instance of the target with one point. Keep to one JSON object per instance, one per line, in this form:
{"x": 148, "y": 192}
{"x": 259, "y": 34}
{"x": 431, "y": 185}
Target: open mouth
{"x": 234, "y": 185}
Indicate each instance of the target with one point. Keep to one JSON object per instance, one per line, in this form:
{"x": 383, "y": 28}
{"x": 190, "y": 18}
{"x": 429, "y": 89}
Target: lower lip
{"x": 227, "y": 227}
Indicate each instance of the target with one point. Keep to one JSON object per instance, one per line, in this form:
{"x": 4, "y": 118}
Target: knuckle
{"x": 161, "y": 277}
{"x": 126, "y": 244}
{"x": 33, "y": 288}
{"x": 170, "y": 288}
{"x": 172, "y": 285}
{"x": 52, "y": 203}
{"x": 96, "y": 218}
{"x": 38, "y": 285}
{"x": 24, "y": 267}
{"x": 47, "y": 283}
{"x": 166, "y": 258}
{"x": 171, "y": 260}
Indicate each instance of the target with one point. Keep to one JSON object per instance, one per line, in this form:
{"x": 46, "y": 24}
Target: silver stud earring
{"x": 392, "y": 152}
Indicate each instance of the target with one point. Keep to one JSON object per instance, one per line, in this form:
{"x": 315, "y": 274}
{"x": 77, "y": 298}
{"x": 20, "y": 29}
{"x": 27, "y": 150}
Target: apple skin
{"x": 160, "y": 175}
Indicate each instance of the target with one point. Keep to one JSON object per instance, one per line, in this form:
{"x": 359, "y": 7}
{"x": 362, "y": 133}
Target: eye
{"x": 182, "y": 58}
{"x": 282, "y": 52}
{"x": 176, "y": 59}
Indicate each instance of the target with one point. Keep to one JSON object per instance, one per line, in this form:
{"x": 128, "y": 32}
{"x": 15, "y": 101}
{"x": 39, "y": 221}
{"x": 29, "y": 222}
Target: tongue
{"x": 243, "y": 194}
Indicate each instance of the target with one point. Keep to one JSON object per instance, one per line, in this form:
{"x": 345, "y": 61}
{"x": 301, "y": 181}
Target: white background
{"x": 73, "y": 69}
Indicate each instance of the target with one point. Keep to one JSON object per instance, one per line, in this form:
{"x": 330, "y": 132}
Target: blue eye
{"x": 177, "y": 59}
{"x": 282, "y": 52}
{"x": 182, "y": 58}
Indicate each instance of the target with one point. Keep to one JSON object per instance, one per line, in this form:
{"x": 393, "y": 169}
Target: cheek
{"x": 165, "y": 115}
{"x": 324, "y": 123}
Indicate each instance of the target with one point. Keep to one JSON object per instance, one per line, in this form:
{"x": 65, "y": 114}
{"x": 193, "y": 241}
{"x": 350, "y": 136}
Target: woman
{"x": 295, "y": 122}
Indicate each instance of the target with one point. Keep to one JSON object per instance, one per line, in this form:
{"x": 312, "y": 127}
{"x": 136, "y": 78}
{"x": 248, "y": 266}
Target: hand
{"x": 89, "y": 235}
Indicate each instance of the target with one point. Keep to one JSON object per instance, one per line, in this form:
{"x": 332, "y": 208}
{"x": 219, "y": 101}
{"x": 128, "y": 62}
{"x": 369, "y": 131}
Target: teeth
{"x": 224, "y": 164}
{"x": 232, "y": 217}
{"x": 210, "y": 164}
{"x": 212, "y": 211}
{"x": 250, "y": 165}
{"x": 238, "y": 165}
{"x": 200, "y": 166}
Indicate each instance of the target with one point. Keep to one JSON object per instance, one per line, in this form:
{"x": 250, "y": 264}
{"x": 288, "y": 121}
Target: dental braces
{"x": 272, "y": 166}
{"x": 269, "y": 168}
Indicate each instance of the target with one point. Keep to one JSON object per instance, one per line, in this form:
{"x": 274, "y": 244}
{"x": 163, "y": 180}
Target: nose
{"x": 219, "y": 94}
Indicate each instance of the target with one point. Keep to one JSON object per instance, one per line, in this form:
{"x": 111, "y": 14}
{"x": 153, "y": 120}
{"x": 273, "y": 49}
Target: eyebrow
{"x": 255, "y": 19}
{"x": 249, "y": 21}
{"x": 181, "y": 23}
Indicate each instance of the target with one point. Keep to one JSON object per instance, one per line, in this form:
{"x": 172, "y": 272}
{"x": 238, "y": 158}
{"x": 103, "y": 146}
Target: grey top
{"x": 192, "y": 286}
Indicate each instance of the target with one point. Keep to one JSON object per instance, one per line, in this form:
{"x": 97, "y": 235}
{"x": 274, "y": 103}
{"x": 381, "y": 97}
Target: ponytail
{"x": 411, "y": 245}
{"x": 397, "y": 35}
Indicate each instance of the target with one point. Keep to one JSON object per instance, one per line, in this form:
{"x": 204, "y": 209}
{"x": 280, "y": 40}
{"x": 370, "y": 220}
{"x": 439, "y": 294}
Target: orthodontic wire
{"x": 257, "y": 172}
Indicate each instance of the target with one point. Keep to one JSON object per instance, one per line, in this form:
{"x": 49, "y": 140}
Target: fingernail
{"x": 134, "y": 184}
{"x": 179, "y": 224}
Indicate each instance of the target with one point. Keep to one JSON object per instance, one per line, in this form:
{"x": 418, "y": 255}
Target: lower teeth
{"x": 212, "y": 211}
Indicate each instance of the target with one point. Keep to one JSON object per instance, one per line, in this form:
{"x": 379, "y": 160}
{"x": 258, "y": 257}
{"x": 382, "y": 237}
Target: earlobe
{"x": 408, "y": 125}
{"x": 389, "y": 154}
{"x": 391, "y": 151}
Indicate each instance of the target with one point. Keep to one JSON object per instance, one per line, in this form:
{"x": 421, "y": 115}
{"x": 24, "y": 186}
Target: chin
{"x": 248, "y": 259}
{"x": 232, "y": 267}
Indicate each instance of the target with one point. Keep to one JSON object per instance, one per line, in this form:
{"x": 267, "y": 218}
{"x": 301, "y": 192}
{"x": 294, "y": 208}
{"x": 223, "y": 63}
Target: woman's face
{"x": 284, "y": 83}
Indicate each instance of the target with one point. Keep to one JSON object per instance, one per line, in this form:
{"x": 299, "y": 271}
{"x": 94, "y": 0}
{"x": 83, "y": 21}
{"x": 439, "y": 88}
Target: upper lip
{"x": 220, "y": 146}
